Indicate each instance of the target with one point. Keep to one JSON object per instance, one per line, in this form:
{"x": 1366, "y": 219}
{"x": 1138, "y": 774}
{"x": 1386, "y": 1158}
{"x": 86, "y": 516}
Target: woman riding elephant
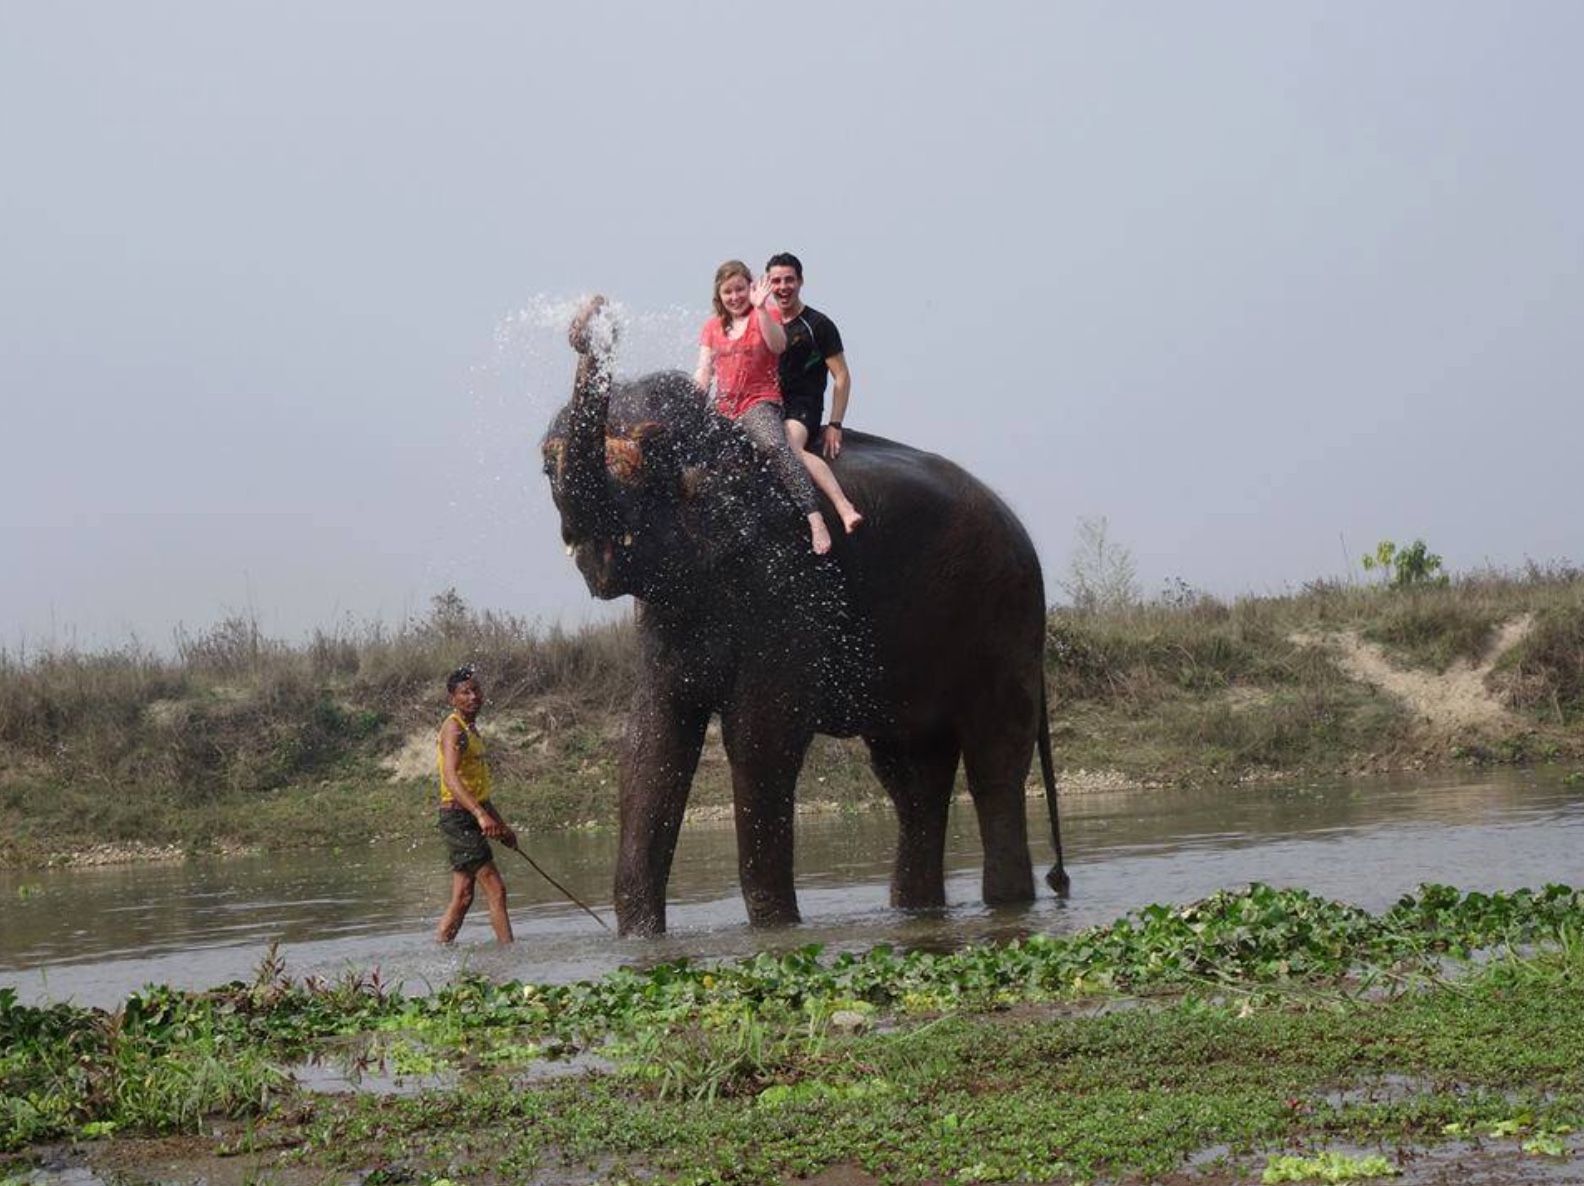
{"x": 738, "y": 348}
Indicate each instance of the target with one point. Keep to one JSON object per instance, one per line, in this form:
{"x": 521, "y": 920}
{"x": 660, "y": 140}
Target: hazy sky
{"x": 277, "y": 279}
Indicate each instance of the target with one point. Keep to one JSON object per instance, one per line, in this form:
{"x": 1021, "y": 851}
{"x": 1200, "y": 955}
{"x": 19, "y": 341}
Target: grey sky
{"x": 1248, "y": 279}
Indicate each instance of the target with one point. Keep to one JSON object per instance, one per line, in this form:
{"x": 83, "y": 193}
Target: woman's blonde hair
{"x": 732, "y": 267}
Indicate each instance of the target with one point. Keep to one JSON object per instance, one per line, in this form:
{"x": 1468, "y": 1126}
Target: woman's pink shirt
{"x": 746, "y": 369}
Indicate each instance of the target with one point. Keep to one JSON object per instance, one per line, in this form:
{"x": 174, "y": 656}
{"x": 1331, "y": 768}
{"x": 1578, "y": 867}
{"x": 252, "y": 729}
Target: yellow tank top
{"x": 470, "y": 764}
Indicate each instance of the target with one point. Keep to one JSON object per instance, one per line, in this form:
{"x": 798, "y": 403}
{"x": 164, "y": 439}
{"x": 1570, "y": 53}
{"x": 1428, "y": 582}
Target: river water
{"x": 94, "y": 935}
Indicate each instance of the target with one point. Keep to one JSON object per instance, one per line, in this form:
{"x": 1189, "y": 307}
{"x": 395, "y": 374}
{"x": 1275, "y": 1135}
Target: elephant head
{"x": 655, "y": 492}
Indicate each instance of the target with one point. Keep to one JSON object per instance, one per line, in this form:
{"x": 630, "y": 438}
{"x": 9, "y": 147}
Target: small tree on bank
{"x": 1410, "y": 567}
{"x": 1101, "y": 574}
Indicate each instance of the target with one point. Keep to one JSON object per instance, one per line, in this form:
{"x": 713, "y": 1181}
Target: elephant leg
{"x": 766, "y": 753}
{"x": 996, "y": 755}
{"x": 659, "y": 755}
{"x": 918, "y": 775}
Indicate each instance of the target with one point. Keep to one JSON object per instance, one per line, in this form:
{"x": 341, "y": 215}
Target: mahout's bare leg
{"x": 456, "y": 910}
{"x": 489, "y": 879}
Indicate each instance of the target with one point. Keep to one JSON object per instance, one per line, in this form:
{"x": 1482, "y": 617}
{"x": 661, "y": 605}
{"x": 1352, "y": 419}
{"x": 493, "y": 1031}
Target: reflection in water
{"x": 94, "y": 935}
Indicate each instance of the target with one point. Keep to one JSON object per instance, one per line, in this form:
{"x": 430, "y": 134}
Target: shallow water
{"x": 94, "y": 935}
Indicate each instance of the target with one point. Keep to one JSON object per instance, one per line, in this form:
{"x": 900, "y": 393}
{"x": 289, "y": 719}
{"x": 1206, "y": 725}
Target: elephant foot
{"x": 773, "y": 914}
{"x": 918, "y": 897}
{"x": 639, "y": 922}
{"x": 1007, "y": 884}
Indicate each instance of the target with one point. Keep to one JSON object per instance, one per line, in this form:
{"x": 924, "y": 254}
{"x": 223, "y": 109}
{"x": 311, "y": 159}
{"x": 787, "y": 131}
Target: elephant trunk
{"x": 587, "y": 503}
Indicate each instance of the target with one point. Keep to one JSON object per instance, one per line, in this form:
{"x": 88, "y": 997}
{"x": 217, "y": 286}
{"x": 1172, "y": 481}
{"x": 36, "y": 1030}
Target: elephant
{"x": 923, "y": 633}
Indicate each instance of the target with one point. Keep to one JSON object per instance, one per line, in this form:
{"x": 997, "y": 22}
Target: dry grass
{"x": 233, "y": 711}
{"x": 1202, "y": 688}
{"x": 241, "y": 736}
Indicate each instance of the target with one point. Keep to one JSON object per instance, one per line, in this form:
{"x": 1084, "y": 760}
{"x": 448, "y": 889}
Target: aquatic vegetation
{"x": 1545, "y": 1145}
{"x": 1538, "y": 1138}
{"x": 1326, "y": 1167}
{"x": 990, "y": 1063}
{"x": 1042, "y": 1095}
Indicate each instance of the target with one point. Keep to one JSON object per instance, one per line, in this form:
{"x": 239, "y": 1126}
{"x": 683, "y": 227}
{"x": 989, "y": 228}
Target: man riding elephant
{"x": 814, "y": 350}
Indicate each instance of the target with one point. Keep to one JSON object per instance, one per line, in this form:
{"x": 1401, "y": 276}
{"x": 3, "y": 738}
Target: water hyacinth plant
{"x": 802, "y": 1034}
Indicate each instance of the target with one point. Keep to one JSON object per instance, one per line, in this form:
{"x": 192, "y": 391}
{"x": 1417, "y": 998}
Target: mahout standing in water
{"x": 925, "y": 637}
{"x": 467, "y": 816}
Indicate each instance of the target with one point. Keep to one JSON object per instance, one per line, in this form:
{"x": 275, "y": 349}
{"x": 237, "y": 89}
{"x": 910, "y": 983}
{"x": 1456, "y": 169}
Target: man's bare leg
{"x": 456, "y": 910}
{"x": 495, "y": 895}
{"x": 824, "y": 477}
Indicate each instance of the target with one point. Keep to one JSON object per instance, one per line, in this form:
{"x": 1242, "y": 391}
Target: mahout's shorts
{"x": 464, "y": 840}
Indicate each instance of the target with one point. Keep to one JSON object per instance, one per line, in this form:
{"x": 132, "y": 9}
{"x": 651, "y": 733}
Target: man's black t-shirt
{"x": 812, "y": 337}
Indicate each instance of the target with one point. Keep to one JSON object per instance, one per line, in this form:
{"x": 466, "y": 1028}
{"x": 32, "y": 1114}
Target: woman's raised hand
{"x": 759, "y": 294}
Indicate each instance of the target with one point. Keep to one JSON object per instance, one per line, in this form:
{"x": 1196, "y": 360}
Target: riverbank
{"x": 1250, "y": 1034}
{"x": 240, "y": 741}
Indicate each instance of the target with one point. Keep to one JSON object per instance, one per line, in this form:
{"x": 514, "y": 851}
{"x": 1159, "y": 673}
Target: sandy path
{"x": 1452, "y": 702}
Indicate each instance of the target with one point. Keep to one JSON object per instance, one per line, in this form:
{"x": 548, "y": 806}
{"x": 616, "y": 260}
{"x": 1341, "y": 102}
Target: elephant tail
{"x": 1057, "y": 877}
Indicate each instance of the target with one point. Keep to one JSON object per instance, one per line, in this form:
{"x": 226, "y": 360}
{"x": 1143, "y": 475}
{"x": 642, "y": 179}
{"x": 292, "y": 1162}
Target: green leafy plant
{"x": 1412, "y": 566}
{"x": 1542, "y": 1140}
{"x": 1326, "y": 1167}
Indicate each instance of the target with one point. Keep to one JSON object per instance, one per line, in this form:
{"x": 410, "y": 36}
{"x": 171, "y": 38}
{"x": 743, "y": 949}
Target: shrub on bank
{"x": 1545, "y": 672}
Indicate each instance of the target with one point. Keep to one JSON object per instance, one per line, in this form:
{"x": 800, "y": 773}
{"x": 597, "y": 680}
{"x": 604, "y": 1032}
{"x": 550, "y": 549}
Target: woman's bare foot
{"x": 817, "y": 531}
{"x": 850, "y": 516}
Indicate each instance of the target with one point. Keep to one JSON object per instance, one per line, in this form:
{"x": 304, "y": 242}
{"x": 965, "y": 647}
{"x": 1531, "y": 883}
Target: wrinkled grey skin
{"x": 923, "y": 633}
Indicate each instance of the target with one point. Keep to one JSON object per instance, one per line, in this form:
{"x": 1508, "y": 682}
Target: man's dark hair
{"x": 459, "y": 677}
{"x": 786, "y": 260}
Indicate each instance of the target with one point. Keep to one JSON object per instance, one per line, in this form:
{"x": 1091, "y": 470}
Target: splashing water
{"x": 497, "y": 547}
{"x": 532, "y": 356}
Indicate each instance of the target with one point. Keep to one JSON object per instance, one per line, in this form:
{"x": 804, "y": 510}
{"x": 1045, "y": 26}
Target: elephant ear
{"x": 554, "y": 452}
{"x": 631, "y": 450}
